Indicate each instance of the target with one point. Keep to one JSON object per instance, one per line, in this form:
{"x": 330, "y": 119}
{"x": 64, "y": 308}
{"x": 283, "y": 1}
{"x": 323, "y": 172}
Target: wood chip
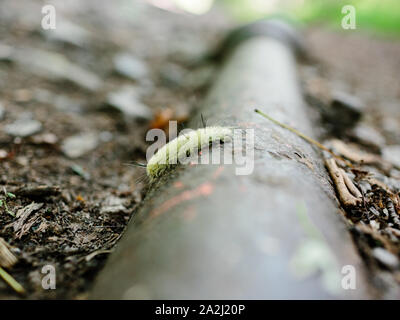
{"x": 24, "y": 213}
{"x": 27, "y": 226}
{"x": 38, "y": 191}
{"x": 7, "y": 258}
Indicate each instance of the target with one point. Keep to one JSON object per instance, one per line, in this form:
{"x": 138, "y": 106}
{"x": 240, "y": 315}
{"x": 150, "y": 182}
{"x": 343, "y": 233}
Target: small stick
{"x": 350, "y": 185}
{"x": 345, "y": 196}
{"x": 11, "y": 281}
{"x": 302, "y": 135}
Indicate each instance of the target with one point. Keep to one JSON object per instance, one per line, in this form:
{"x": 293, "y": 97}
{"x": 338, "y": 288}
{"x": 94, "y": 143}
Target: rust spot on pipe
{"x": 218, "y": 172}
{"x": 189, "y": 214}
{"x": 204, "y": 189}
{"x": 178, "y": 184}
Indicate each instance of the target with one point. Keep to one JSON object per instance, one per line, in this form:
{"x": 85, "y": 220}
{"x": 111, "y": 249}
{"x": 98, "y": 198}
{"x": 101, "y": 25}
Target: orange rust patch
{"x": 204, "y": 189}
{"x": 178, "y": 184}
{"x": 189, "y": 214}
{"x": 218, "y": 172}
{"x": 242, "y": 188}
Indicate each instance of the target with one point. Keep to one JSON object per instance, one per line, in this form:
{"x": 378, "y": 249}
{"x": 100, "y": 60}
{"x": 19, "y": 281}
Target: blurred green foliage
{"x": 375, "y": 15}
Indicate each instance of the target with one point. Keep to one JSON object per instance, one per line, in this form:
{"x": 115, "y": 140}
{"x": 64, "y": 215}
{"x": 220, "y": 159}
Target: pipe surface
{"x": 204, "y": 232}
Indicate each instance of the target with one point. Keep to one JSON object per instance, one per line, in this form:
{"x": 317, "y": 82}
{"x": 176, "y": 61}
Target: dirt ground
{"x": 92, "y": 189}
{"x": 365, "y": 67}
{"x": 69, "y": 129}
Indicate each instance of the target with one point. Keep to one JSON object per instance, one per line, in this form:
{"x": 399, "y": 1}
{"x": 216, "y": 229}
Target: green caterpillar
{"x": 183, "y": 146}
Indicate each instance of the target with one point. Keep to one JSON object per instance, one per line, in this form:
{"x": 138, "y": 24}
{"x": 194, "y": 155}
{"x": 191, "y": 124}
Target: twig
{"x": 345, "y": 196}
{"x": 11, "y": 281}
{"x": 305, "y": 137}
{"x": 350, "y": 185}
{"x": 38, "y": 191}
{"x": 360, "y": 157}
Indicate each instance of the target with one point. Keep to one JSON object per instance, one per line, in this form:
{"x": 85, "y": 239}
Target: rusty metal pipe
{"x": 204, "y": 232}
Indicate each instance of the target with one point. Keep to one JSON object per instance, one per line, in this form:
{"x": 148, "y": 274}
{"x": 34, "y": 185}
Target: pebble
{"x": 390, "y": 126}
{"x": 106, "y": 136}
{"x": 45, "y": 138}
{"x": 130, "y": 66}
{"x": 23, "y": 95}
{"x": 172, "y": 75}
{"x": 3, "y": 154}
{"x": 66, "y": 104}
{"x": 392, "y": 154}
{"x": 61, "y": 102}
{"x": 200, "y": 77}
{"x": 5, "y": 52}
{"x": 23, "y": 128}
{"x": 346, "y": 109}
{"x": 55, "y": 66}
{"x": 126, "y": 100}
{"x": 187, "y": 49}
{"x": 80, "y": 171}
{"x": 113, "y": 205}
{"x": 386, "y": 258}
{"x": 68, "y": 32}
{"x": 78, "y": 145}
{"x": 369, "y": 136}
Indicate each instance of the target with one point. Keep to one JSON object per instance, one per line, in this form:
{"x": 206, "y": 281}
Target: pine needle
{"x": 305, "y": 137}
{"x": 11, "y": 281}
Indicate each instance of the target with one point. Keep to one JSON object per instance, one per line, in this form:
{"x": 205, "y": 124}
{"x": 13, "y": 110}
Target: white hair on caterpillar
{"x": 183, "y": 146}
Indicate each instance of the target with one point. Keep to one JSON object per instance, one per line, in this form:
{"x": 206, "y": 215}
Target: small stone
{"x": 68, "y": 32}
{"x": 5, "y": 52}
{"x": 22, "y": 161}
{"x": 126, "y": 100}
{"x": 374, "y": 224}
{"x": 55, "y": 66}
{"x": 106, "y": 136}
{"x": 386, "y": 258}
{"x": 23, "y": 95}
{"x": 172, "y": 75}
{"x": 66, "y": 104}
{"x": 188, "y": 50}
{"x": 78, "y": 145}
{"x": 130, "y": 66}
{"x": 199, "y": 78}
{"x": 23, "y": 128}
{"x": 35, "y": 279}
{"x": 61, "y": 102}
{"x": 45, "y": 138}
{"x": 42, "y": 95}
{"x": 369, "y": 136}
{"x": 390, "y": 126}
{"x": 80, "y": 171}
{"x": 113, "y": 205}
{"x": 392, "y": 154}
{"x": 3, "y": 154}
{"x": 346, "y": 109}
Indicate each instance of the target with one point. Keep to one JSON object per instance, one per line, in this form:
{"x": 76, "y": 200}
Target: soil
{"x": 91, "y": 197}
{"x": 366, "y": 67}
